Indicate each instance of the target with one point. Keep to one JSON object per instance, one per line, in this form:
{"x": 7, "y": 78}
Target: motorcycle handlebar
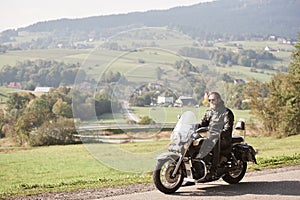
{"x": 196, "y": 134}
{"x": 202, "y": 129}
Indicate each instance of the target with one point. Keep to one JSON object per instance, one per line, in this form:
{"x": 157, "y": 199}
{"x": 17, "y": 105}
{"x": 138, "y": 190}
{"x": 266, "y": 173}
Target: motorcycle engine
{"x": 198, "y": 169}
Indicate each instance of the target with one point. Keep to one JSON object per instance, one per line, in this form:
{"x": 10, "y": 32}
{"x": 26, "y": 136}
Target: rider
{"x": 219, "y": 120}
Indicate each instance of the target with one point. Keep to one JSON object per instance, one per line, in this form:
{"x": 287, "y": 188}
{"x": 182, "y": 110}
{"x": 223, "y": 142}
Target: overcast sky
{"x": 21, "y": 13}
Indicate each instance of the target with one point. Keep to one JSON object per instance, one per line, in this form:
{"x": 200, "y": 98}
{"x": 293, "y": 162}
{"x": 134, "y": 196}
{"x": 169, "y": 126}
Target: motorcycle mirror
{"x": 240, "y": 125}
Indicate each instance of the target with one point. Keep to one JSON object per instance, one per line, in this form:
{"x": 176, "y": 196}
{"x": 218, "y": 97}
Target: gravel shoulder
{"x": 125, "y": 189}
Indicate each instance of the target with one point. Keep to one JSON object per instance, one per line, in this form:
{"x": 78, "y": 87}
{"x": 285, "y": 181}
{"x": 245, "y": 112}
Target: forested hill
{"x": 222, "y": 17}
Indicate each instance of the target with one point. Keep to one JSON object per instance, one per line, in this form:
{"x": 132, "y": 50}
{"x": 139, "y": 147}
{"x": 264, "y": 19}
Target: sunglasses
{"x": 211, "y": 100}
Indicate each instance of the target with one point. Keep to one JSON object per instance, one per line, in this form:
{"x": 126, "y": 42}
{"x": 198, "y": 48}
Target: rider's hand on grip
{"x": 196, "y": 136}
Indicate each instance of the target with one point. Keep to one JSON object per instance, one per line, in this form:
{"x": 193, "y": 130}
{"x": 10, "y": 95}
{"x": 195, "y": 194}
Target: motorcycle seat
{"x": 237, "y": 139}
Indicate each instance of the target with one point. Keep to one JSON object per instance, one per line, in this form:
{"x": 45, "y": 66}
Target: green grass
{"x": 96, "y": 60}
{"x": 166, "y": 114}
{"x": 55, "y": 54}
{"x": 243, "y": 72}
{"x": 169, "y": 114}
{"x": 269, "y": 146}
{"x": 238, "y": 71}
{"x": 56, "y": 168}
{"x": 27, "y": 171}
{"x": 258, "y": 45}
{"x": 275, "y": 152}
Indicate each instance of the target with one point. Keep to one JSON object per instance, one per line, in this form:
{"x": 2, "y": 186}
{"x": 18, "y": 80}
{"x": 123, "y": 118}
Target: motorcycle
{"x": 181, "y": 163}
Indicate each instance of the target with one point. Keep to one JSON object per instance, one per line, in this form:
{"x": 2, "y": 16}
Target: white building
{"x": 42, "y": 89}
{"x": 164, "y": 100}
{"x": 185, "y": 101}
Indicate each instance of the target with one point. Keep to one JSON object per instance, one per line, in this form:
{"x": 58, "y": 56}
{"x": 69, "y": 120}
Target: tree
{"x": 294, "y": 67}
{"x": 61, "y": 108}
{"x": 2, "y": 122}
{"x": 159, "y": 73}
{"x": 33, "y": 116}
{"x": 281, "y": 113}
{"x": 233, "y": 95}
{"x": 53, "y": 78}
{"x": 199, "y": 87}
{"x": 16, "y": 103}
{"x": 293, "y": 93}
{"x": 227, "y": 78}
{"x": 256, "y": 92}
{"x": 279, "y": 110}
{"x": 102, "y": 105}
{"x": 56, "y": 132}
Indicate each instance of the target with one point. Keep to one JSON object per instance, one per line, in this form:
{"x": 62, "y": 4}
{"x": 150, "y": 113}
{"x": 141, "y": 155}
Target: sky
{"x": 20, "y": 13}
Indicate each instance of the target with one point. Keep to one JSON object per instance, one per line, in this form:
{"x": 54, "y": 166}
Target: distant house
{"x": 164, "y": 100}
{"x": 238, "y": 49}
{"x": 154, "y": 86}
{"x": 60, "y": 45}
{"x": 272, "y": 37}
{"x": 185, "y": 101}
{"x": 267, "y": 48}
{"x": 42, "y": 89}
{"x": 281, "y": 40}
{"x": 239, "y": 81}
{"x": 15, "y": 85}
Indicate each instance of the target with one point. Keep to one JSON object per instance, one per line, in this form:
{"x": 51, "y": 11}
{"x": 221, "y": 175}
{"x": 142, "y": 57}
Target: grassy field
{"x": 169, "y": 114}
{"x": 166, "y": 115}
{"x": 56, "y": 168}
{"x": 67, "y": 55}
{"x": 96, "y": 60}
{"x": 65, "y": 168}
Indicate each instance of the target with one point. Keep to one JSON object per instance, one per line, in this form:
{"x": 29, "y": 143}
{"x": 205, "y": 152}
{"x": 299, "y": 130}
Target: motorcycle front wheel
{"x": 237, "y": 174}
{"x": 163, "y": 179}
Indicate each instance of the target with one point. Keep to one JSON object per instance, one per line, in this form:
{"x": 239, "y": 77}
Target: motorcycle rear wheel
{"x": 236, "y": 175}
{"x": 163, "y": 179}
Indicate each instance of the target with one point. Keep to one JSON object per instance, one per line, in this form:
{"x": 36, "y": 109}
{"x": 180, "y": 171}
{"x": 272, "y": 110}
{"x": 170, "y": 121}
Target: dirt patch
{"x": 8, "y": 142}
{"x": 91, "y": 193}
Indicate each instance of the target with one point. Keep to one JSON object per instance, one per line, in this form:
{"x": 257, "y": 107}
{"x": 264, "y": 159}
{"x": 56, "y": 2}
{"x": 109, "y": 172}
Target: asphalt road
{"x": 270, "y": 184}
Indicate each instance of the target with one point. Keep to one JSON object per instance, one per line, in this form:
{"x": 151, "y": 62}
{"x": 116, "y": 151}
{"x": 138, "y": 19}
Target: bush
{"x": 146, "y": 120}
{"x": 54, "y": 133}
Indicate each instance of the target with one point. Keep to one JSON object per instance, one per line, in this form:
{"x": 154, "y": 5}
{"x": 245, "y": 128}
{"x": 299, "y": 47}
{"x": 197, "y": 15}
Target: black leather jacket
{"x": 219, "y": 121}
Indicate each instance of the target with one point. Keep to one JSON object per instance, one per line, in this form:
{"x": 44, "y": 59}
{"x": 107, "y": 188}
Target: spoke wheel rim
{"x": 237, "y": 172}
{"x": 166, "y": 175}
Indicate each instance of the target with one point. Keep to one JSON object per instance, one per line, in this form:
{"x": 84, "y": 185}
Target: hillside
{"x": 222, "y": 18}
{"x": 52, "y": 52}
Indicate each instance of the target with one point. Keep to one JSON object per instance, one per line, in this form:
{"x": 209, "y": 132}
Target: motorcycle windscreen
{"x": 184, "y": 128}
